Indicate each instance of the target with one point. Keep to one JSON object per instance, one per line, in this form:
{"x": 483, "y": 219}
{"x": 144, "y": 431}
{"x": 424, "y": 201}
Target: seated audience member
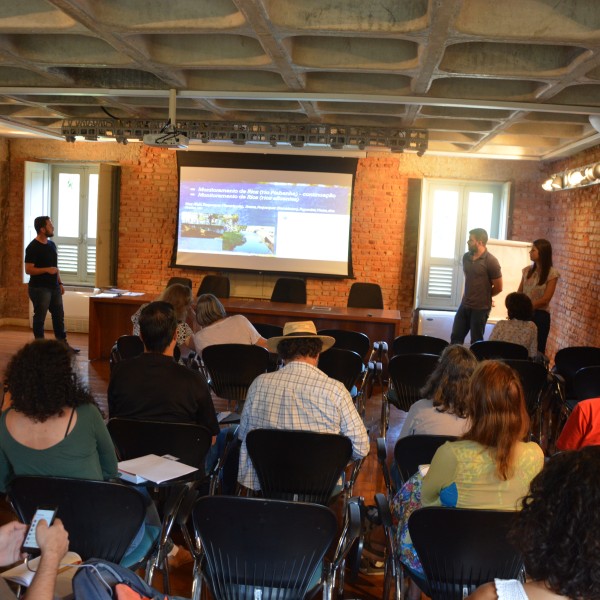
{"x": 153, "y": 386}
{"x": 519, "y": 328}
{"x": 582, "y": 427}
{"x": 53, "y": 542}
{"x": 218, "y": 328}
{"x": 180, "y": 296}
{"x": 443, "y": 409}
{"x": 557, "y": 533}
{"x": 52, "y": 427}
{"x": 299, "y": 396}
{"x": 490, "y": 467}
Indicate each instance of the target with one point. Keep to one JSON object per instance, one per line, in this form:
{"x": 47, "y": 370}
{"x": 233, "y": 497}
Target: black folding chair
{"x": 126, "y": 346}
{"x": 101, "y": 517}
{"x": 254, "y": 548}
{"x": 232, "y": 368}
{"x": 189, "y": 443}
{"x": 566, "y": 364}
{"x": 267, "y": 330}
{"x": 496, "y": 349}
{"x": 418, "y": 344}
{"x": 299, "y": 465}
{"x": 586, "y": 383}
{"x": 217, "y": 285}
{"x": 365, "y": 295}
{"x": 408, "y": 374}
{"x": 289, "y": 289}
{"x": 535, "y": 380}
{"x": 349, "y": 340}
{"x": 344, "y": 365}
{"x": 461, "y": 549}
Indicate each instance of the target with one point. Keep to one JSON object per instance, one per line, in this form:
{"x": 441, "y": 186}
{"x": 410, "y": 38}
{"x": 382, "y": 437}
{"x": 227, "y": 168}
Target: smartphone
{"x": 47, "y": 513}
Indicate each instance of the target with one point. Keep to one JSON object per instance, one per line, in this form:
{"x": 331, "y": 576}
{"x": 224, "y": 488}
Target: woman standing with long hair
{"x": 539, "y": 283}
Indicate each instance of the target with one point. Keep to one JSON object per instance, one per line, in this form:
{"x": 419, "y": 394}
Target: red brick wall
{"x": 574, "y": 231}
{"x": 384, "y": 226}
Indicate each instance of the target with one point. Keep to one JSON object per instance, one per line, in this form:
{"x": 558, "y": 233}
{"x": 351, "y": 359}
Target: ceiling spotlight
{"x": 337, "y": 146}
{"x": 593, "y": 172}
{"x": 121, "y": 139}
{"x": 297, "y": 144}
{"x": 70, "y": 139}
{"x": 574, "y": 178}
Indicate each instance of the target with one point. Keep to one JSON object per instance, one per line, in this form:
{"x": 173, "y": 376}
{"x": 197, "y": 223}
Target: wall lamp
{"x": 573, "y": 178}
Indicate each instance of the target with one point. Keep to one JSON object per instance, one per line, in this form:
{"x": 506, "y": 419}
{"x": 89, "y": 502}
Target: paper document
{"x": 23, "y": 576}
{"x": 153, "y": 468}
{"x": 105, "y": 295}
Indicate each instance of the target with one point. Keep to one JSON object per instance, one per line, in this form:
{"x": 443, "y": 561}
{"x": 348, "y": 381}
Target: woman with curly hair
{"x": 52, "y": 426}
{"x": 557, "y": 531}
{"x": 443, "y": 409}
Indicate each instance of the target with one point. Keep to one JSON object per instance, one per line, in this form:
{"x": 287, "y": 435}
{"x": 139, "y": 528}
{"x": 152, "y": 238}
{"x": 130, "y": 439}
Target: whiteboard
{"x": 513, "y": 257}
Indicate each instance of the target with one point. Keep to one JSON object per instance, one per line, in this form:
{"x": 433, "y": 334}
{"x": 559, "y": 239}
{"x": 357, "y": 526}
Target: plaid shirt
{"x": 298, "y": 396}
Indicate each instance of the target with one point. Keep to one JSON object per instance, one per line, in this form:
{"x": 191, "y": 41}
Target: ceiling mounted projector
{"x": 170, "y": 140}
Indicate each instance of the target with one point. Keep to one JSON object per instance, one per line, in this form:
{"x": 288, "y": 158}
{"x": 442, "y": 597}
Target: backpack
{"x": 102, "y": 580}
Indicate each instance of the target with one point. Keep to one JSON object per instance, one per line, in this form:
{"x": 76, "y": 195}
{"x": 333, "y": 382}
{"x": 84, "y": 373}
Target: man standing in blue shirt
{"x": 483, "y": 280}
{"x": 45, "y": 286}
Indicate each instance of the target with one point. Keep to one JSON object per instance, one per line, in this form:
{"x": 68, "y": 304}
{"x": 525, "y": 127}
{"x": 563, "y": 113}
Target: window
{"x": 449, "y": 209}
{"x": 74, "y": 210}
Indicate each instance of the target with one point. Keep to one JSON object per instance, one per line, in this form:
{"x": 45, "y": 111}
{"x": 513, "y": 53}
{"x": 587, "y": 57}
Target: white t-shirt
{"x": 231, "y": 330}
{"x": 424, "y": 419}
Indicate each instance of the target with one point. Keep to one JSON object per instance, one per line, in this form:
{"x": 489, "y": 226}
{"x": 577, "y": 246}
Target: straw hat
{"x": 300, "y": 329}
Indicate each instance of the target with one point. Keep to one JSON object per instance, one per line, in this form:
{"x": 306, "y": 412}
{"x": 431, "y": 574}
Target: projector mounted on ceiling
{"x": 169, "y": 139}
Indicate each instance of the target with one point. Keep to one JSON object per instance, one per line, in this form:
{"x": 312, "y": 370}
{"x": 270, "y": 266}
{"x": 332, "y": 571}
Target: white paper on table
{"x": 155, "y": 468}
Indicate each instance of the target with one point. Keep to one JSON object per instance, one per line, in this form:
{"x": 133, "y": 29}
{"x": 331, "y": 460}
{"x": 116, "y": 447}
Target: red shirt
{"x": 582, "y": 427}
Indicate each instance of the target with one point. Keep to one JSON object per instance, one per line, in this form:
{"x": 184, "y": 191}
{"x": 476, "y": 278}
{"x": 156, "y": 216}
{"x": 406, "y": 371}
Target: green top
{"x": 86, "y": 453}
{"x": 463, "y": 475}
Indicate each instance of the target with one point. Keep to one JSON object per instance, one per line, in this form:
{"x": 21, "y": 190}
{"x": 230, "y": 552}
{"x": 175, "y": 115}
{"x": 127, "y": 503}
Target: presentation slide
{"x": 264, "y": 220}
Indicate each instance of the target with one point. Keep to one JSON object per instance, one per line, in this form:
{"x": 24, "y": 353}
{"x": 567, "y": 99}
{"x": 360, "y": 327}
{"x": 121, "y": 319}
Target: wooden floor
{"x": 96, "y": 375}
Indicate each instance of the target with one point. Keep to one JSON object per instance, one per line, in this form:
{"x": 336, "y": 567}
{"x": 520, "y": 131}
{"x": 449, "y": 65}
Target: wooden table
{"x": 111, "y": 317}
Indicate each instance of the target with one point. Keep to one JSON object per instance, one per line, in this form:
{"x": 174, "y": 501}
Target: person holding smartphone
{"x": 53, "y": 542}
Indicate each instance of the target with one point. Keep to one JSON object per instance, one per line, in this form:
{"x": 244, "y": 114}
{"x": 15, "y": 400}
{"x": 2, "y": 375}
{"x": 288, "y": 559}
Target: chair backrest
{"x": 343, "y": 365}
{"x": 349, "y": 340}
{"x": 365, "y": 295}
{"x": 461, "y": 549}
{"x": 102, "y": 518}
{"x": 534, "y": 379}
{"x": 408, "y": 374}
{"x": 217, "y": 285}
{"x": 423, "y": 344}
{"x": 496, "y": 349}
{"x": 258, "y": 548}
{"x": 289, "y": 289}
{"x": 569, "y": 360}
{"x": 233, "y": 367}
{"x": 298, "y": 465}
{"x": 188, "y": 442}
{"x": 586, "y": 383}
{"x": 414, "y": 450}
{"x": 129, "y": 346}
{"x": 267, "y": 330}
{"x": 181, "y": 280}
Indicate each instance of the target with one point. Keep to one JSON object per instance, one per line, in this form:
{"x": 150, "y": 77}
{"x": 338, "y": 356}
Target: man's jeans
{"x": 44, "y": 300}
{"x": 469, "y": 319}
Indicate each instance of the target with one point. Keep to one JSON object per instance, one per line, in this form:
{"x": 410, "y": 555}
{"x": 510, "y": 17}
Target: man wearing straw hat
{"x": 299, "y": 396}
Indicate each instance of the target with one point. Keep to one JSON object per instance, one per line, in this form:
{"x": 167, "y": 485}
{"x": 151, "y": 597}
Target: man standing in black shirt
{"x": 45, "y": 286}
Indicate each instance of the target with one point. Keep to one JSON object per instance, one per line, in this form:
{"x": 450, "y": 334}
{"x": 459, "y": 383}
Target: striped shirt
{"x": 299, "y": 396}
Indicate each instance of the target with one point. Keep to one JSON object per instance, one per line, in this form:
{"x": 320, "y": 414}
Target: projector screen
{"x": 265, "y": 213}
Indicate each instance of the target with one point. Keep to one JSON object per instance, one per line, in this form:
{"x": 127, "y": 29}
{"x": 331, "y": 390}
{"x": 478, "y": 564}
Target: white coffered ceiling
{"x": 507, "y": 78}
